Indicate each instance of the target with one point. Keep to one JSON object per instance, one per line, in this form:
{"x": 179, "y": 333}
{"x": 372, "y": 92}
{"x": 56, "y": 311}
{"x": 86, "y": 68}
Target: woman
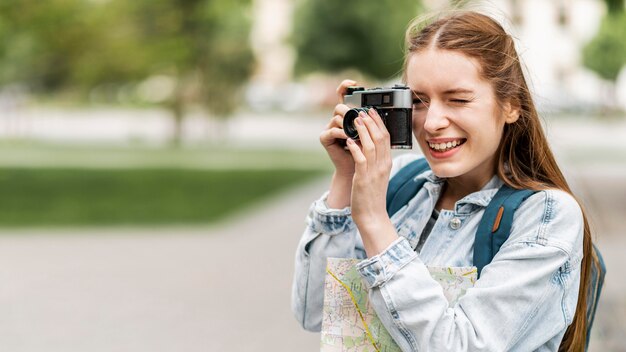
{"x": 475, "y": 122}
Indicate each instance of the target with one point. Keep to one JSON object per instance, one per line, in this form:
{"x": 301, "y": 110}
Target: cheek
{"x": 418, "y": 123}
{"x": 497, "y": 127}
{"x": 489, "y": 124}
{"x": 490, "y": 135}
{"x": 418, "y": 132}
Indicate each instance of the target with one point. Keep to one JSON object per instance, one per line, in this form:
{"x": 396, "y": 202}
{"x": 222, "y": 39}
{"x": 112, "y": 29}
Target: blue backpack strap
{"x": 598, "y": 271}
{"x": 495, "y": 226}
{"x": 403, "y": 186}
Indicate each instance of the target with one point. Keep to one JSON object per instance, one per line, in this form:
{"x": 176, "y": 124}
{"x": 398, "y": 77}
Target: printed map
{"x": 349, "y": 323}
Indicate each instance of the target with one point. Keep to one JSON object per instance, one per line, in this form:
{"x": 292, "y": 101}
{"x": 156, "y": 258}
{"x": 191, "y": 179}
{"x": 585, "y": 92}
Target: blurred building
{"x": 271, "y": 85}
{"x": 551, "y": 35}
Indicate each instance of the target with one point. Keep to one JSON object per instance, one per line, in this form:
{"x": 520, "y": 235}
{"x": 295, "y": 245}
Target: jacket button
{"x": 455, "y": 223}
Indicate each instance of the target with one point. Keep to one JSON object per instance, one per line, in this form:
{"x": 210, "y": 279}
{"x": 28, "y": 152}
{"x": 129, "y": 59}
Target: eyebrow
{"x": 448, "y": 92}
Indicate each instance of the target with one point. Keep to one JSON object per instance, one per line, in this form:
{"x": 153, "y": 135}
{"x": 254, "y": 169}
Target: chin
{"x": 445, "y": 174}
{"x": 445, "y": 171}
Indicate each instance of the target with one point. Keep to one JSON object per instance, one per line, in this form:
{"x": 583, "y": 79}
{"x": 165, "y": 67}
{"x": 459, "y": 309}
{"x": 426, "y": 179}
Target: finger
{"x": 341, "y": 109}
{"x": 331, "y": 135}
{"x": 336, "y": 121}
{"x": 383, "y": 140}
{"x": 360, "y": 161}
{"x": 377, "y": 137}
{"x": 368, "y": 146}
{"x": 343, "y": 87}
{"x": 379, "y": 120}
{"x": 373, "y": 128}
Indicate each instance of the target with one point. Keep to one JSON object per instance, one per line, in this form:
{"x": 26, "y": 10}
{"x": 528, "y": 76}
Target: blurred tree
{"x": 606, "y": 53}
{"x": 41, "y": 40}
{"x": 608, "y": 39}
{"x": 367, "y": 36}
{"x": 201, "y": 46}
{"x": 614, "y": 6}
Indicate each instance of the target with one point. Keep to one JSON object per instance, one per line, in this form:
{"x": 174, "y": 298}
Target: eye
{"x": 460, "y": 101}
{"x": 419, "y": 104}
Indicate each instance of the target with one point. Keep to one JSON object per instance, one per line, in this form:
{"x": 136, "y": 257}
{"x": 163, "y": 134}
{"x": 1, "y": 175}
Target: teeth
{"x": 444, "y": 146}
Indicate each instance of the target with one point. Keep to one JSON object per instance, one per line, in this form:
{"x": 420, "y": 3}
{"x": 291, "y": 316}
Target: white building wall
{"x": 550, "y": 50}
{"x": 269, "y": 40}
{"x": 554, "y": 54}
{"x": 550, "y": 36}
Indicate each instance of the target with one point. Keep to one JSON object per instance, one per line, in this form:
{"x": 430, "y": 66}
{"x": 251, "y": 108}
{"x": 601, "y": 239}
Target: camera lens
{"x": 348, "y": 122}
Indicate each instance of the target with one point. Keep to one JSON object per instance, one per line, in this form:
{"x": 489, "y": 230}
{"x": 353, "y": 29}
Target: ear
{"x": 511, "y": 111}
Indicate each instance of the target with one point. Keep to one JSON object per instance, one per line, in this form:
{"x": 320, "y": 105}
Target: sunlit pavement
{"x": 227, "y": 287}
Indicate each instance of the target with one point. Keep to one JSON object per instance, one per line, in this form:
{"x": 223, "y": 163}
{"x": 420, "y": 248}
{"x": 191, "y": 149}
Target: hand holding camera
{"x": 333, "y": 138}
{"x": 372, "y": 165}
{"x": 392, "y": 104}
{"x": 390, "y": 116}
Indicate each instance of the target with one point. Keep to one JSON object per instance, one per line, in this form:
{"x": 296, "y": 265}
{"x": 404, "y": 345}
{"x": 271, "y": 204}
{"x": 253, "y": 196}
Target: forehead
{"x": 439, "y": 69}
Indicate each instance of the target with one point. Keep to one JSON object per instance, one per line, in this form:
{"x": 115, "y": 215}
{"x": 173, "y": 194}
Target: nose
{"x": 436, "y": 118}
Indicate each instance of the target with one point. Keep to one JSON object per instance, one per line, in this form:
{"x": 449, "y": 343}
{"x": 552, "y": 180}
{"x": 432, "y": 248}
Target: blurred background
{"x": 157, "y": 158}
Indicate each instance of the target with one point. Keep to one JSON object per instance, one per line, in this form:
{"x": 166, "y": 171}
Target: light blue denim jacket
{"x": 524, "y": 300}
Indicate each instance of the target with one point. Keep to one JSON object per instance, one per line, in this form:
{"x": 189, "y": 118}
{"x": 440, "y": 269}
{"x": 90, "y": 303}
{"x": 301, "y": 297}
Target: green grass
{"x": 34, "y": 155}
{"x": 75, "y": 196}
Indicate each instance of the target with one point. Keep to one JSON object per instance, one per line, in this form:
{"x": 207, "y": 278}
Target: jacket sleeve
{"x": 524, "y": 299}
{"x": 329, "y": 233}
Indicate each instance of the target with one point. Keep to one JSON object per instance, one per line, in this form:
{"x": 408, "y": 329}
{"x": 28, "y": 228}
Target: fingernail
{"x": 350, "y": 141}
{"x": 359, "y": 120}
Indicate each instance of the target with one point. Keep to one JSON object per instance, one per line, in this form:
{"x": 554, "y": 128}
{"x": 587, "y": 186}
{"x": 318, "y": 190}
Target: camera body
{"x": 394, "y": 105}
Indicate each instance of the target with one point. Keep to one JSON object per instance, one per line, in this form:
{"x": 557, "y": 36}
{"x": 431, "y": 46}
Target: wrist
{"x": 346, "y": 176}
{"x": 340, "y": 191}
{"x": 371, "y": 224}
{"x": 377, "y": 234}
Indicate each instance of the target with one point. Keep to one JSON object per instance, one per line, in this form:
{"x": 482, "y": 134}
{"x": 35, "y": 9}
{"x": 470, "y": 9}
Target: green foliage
{"x": 606, "y": 53}
{"x": 229, "y": 57}
{"x": 44, "y": 197}
{"x": 203, "y": 43}
{"x": 41, "y": 41}
{"x": 352, "y": 34}
{"x": 54, "y": 45}
{"x": 615, "y": 6}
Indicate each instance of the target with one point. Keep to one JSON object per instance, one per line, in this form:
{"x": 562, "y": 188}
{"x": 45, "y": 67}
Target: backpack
{"x": 494, "y": 227}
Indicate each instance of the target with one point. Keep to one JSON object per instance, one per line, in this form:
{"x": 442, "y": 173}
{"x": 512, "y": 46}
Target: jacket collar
{"x": 470, "y": 203}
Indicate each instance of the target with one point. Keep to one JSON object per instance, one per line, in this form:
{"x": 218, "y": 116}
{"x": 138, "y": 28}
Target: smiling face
{"x": 457, "y": 120}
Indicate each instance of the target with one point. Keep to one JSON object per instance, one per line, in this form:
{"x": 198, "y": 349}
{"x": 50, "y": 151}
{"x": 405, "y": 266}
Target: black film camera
{"x": 394, "y": 106}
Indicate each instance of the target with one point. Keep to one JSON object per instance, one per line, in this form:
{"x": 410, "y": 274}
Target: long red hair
{"x": 524, "y": 159}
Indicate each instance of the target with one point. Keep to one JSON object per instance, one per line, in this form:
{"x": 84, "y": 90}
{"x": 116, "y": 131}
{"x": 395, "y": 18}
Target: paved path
{"x": 602, "y": 190}
{"x": 225, "y": 288}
